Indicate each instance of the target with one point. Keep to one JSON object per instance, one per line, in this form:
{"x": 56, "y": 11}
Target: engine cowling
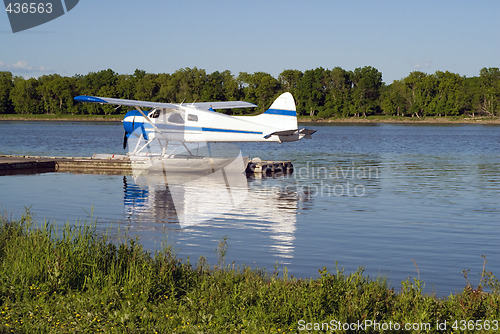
{"x": 133, "y": 122}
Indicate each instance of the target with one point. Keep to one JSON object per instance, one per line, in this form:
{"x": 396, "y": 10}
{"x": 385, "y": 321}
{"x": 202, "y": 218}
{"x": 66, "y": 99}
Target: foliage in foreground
{"x": 75, "y": 280}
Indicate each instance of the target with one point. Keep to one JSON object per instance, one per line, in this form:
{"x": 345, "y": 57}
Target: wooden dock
{"x": 111, "y": 164}
{"x": 10, "y": 164}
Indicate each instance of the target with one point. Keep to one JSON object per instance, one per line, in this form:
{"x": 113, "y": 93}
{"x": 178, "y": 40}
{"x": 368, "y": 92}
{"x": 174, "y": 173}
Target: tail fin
{"x": 281, "y": 117}
{"x": 282, "y": 114}
{"x": 283, "y": 105}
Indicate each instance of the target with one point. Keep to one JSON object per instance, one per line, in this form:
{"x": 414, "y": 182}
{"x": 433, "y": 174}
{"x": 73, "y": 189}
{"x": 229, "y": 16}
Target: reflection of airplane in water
{"x": 155, "y": 200}
{"x": 187, "y": 198}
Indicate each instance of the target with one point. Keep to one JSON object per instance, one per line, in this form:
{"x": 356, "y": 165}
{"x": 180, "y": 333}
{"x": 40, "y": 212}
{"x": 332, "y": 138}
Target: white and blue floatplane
{"x": 169, "y": 123}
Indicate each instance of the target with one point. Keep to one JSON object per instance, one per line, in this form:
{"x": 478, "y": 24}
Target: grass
{"x": 73, "y": 280}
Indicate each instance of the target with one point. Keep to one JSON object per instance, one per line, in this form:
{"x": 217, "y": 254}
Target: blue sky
{"x": 396, "y": 37}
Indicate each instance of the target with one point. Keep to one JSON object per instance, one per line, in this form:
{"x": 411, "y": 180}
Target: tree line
{"x": 321, "y": 93}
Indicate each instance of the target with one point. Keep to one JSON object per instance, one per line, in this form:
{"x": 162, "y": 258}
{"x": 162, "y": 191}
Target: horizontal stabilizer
{"x": 281, "y": 133}
{"x": 307, "y": 133}
{"x": 302, "y": 133}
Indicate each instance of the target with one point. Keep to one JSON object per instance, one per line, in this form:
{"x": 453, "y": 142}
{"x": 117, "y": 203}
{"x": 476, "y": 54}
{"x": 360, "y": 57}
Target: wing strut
{"x": 146, "y": 117}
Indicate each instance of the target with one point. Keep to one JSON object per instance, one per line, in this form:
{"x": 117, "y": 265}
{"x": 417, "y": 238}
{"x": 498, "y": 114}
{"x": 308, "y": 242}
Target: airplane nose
{"x": 132, "y": 121}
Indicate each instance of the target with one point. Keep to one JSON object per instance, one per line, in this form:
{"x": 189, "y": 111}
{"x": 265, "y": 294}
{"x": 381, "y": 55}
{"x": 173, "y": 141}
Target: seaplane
{"x": 198, "y": 122}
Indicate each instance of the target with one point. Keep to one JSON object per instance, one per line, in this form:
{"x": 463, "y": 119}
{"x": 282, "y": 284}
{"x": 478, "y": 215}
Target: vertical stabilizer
{"x": 282, "y": 114}
{"x": 283, "y": 105}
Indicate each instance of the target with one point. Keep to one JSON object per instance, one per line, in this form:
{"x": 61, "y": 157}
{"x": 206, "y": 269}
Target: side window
{"x": 193, "y": 118}
{"x": 176, "y": 118}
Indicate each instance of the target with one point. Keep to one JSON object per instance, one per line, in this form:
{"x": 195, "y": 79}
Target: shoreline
{"x": 333, "y": 121}
{"x": 62, "y": 118}
{"x": 401, "y": 120}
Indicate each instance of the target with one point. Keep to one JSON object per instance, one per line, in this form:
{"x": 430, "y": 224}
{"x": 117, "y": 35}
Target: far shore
{"x": 403, "y": 120}
{"x": 301, "y": 119}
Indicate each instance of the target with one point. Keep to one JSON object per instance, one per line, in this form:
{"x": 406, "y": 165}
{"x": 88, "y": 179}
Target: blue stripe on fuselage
{"x": 198, "y": 128}
{"x": 230, "y": 131}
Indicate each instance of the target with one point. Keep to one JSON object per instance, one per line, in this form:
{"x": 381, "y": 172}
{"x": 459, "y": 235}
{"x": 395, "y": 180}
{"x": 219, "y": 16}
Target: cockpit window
{"x": 193, "y": 118}
{"x": 176, "y": 118}
{"x": 154, "y": 114}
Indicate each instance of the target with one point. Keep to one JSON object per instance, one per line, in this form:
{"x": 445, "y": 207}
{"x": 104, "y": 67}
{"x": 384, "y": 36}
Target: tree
{"x": 57, "y": 93}
{"x": 25, "y": 96}
{"x": 6, "y": 85}
{"x": 125, "y": 86}
{"x": 367, "y": 82}
{"x": 421, "y": 92}
{"x": 187, "y": 84}
{"x": 395, "y": 99}
{"x": 312, "y": 91}
{"x": 102, "y": 83}
{"x": 231, "y": 87}
{"x": 338, "y": 93}
{"x": 321, "y": 92}
{"x": 146, "y": 87}
{"x": 490, "y": 87}
{"x": 448, "y": 97}
{"x": 260, "y": 88}
{"x": 213, "y": 89}
{"x": 473, "y": 95}
{"x": 289, "y": 80}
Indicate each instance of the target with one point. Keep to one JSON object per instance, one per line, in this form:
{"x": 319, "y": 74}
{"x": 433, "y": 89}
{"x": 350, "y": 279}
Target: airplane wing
{"x": 148, "y": 104}
{"x": 123, "y": 102}
{"x": 223, "y": 105}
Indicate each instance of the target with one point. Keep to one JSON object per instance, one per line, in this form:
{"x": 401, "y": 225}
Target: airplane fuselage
{"x": 194, "y": 125}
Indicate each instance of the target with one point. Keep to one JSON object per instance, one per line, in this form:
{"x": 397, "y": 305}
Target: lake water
{"x": 379, "y": 196}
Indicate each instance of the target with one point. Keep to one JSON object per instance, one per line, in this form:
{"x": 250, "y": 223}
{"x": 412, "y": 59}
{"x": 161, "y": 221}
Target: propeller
{"x": 135, "y": 127}
{"x": 125, "y": 139}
